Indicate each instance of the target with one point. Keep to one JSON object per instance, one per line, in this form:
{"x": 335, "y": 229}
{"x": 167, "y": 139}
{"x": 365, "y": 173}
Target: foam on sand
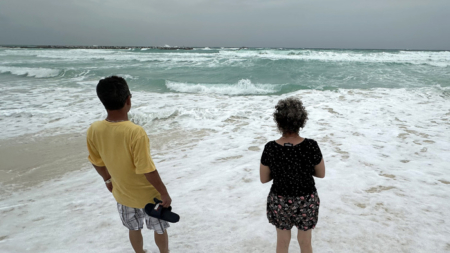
{"x": 386, "y": 188}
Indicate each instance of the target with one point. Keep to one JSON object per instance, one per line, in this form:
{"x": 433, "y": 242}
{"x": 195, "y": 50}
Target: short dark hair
{"x": 290, "y": 115}
{"x": 113, "y": 92}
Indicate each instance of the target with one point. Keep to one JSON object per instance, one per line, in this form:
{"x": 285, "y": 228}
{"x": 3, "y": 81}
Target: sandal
{"x": 160, "y": 212}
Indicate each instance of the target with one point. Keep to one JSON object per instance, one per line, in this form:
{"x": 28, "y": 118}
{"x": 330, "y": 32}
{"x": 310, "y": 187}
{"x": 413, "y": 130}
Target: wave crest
{"x": 243, "y": 87}
{"x": 433, "y": 58}
{"x": 31, "y": 72}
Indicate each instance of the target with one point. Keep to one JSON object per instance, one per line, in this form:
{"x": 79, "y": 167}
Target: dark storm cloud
{"x": 408, "y": 24}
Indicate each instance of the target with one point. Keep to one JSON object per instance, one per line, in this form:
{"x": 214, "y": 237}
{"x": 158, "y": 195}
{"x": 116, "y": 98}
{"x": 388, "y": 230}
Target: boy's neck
{"x": 117, "y": 115}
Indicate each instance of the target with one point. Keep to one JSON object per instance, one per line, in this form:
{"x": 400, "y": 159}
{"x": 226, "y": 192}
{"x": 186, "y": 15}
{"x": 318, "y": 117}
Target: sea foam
{"x": 242, "y": 87}
{"x": 439, "y": 59}
{"x": 30, "y": 72}
{"x": 385, "y": 152}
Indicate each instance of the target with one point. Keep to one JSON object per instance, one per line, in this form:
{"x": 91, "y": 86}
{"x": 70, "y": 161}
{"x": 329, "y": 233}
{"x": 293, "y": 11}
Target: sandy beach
{"x": 29, "y": 160}
{"x": 386, "y": 188}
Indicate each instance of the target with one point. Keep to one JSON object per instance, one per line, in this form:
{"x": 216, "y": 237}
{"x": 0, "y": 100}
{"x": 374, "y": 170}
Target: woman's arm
{"x": 264, "y": 174}
{"x": 320, "y": 169}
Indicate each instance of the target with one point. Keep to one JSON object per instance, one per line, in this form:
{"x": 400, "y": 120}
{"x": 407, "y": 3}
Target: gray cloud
{"x": 405, "y": 24}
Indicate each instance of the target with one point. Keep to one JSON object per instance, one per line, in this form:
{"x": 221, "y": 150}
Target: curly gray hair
{"x": 290, "y": 115}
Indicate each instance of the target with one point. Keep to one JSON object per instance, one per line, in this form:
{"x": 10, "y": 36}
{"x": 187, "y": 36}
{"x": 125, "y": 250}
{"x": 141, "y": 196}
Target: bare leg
{"x": 137, "y": 241}
{"x": 162, "y": 241}
{"x": 283, "y": 240}
{"x": 304, "y": 240}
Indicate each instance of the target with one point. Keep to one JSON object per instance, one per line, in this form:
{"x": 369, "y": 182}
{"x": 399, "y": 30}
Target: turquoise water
{"x": 51, "y": 91}
{"x": 230, "y": 71}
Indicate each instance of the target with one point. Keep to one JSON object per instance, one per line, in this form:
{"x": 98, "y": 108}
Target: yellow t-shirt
{"x": 124, "y": 148}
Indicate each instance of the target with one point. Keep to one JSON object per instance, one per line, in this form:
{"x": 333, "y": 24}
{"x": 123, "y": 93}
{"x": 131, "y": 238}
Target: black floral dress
{"x": 293, "y": 199}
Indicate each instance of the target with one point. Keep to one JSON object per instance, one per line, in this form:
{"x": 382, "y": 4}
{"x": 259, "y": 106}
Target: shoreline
{"x": 28, "y": 160}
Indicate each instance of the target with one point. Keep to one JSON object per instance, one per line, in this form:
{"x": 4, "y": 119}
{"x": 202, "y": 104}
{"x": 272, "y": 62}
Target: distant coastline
{"x": 95, "y": 47}
{"x": 215, "y": 47}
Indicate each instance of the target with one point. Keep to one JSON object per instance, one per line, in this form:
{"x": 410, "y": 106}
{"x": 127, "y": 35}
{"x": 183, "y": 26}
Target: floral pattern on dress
{"x": 301, "y": 211}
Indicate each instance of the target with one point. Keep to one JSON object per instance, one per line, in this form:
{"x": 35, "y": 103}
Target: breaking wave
{"x": 30, "y": 72}
{"x": 242, "y": 87}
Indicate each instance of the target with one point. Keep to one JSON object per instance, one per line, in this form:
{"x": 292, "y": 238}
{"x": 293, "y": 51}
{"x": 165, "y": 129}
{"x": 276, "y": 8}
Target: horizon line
{"x": 55, "y": 46}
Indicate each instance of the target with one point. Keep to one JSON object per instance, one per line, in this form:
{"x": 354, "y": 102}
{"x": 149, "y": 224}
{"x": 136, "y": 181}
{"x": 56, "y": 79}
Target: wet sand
{"x": 28, "y": 160}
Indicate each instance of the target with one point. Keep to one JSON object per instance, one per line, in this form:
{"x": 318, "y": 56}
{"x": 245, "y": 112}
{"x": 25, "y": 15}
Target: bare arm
{"x": 320, "y": 169}
{"x": 103, "y": 172}
{"x": 264, "y": 174}
{"x": 154, "y": 179}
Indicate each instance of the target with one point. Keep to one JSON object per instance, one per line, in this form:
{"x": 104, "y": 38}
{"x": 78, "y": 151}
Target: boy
{"x": 120, "y": 152}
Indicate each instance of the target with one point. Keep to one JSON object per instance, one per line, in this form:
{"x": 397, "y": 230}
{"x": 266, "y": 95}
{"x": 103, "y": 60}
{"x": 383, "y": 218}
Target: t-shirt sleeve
{"x": 266, "y": 156}
{"x": 316, "y": 153}
{"x": 141, "y": 155}
{"x": 94, "y": 156}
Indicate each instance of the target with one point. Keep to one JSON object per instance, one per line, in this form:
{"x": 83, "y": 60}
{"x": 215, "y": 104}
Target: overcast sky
{"x": 383, "y": 24}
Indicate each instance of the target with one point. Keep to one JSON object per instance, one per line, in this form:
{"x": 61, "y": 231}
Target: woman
{"x": 291, "y": 162}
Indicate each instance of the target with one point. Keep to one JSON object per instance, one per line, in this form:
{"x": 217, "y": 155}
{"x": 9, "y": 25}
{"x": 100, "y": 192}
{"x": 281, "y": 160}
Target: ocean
{"x": 41, "y": 88}
{"x": 381, "y": 118}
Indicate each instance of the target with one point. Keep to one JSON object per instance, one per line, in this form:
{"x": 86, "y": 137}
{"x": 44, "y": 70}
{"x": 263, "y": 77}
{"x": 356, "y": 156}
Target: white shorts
{"x": 133, "y": 219}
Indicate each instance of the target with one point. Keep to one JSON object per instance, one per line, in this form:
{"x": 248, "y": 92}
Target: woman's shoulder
{"x": 310, "y": 142}
{"x": 271, "y": 145}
